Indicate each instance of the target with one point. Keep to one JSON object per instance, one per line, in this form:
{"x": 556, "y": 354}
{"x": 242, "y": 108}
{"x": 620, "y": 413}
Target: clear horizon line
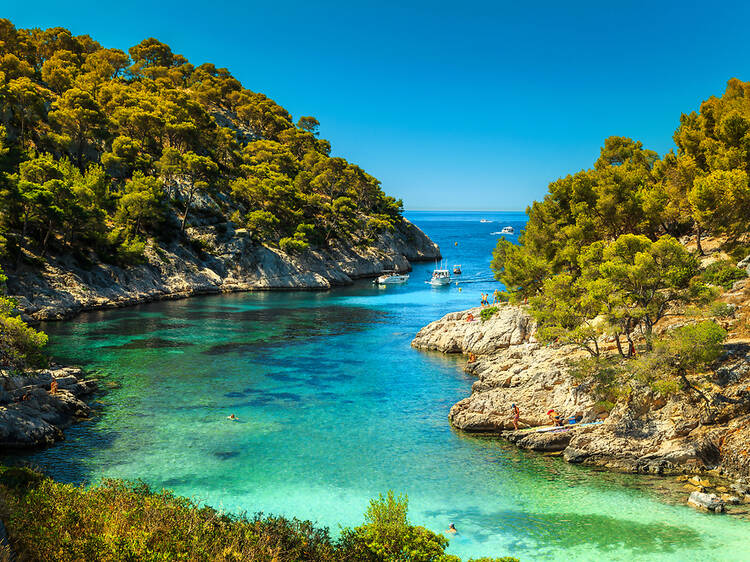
{"x": 467, "y": 210}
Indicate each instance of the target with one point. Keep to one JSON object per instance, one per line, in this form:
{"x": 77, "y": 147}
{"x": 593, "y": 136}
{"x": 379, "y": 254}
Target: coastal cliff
{"x": 644, "y": 433}
{"x": 33, "y": 413}
{"x": 228, "y": 261}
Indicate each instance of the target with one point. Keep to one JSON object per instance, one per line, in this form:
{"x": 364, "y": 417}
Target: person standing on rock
{"x": 53, "y": 387}
{"x": 516, "y": 415}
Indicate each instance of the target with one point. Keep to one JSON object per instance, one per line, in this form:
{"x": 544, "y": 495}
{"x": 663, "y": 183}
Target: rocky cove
{"x": 647, "y": 433}
{"x": 223, "y": 260}
{"x": 35, "y": 407}
{"x": 220, "y": 259}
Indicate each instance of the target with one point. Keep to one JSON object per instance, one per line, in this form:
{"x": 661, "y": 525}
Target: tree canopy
{"x": 600, "y": 253}
{"x": 100, "y": 148}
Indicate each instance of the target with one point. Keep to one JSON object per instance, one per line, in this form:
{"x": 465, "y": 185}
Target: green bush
{"x": 723, "y": 274}
{"x": 487, "y": 313}
{"x": 20, "y": 345}
{"x": 131, "y": 251}
{"x": 722, "y": 310}
{"x": 296, "y": 245}
{"x": 121, "y": 521}
{"x": 387, "y": 535}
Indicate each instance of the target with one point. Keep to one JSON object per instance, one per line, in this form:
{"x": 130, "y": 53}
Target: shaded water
{"x": 336, "y": 407}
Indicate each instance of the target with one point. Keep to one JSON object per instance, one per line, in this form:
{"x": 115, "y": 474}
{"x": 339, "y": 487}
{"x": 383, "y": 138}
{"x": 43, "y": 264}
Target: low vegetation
{"x": 21, "y": 346}
{"x": 119, "y": 521}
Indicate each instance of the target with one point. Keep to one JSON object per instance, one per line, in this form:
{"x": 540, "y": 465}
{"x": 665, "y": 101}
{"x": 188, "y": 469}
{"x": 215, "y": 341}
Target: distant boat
{"x": 456, "y": 270}
{"x": 440, "y": 277}
{"x": 507, "y": 230}
{"x": 485, "y": 220}
{"x": 392, "y": 278}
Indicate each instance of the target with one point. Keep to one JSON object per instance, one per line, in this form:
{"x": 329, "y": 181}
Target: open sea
{"x": 335, "y": 407}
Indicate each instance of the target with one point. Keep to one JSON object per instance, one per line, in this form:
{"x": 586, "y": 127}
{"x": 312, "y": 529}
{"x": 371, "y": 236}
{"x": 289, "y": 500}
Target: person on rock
{"x": 516, "y": 415}
{"x": 53, "y": 387}
{"x": 555, "y": 417}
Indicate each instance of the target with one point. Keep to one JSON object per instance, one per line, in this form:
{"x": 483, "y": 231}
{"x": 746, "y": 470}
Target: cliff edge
{"x": 221, "y": 259}
{"x": 645, "y": 433}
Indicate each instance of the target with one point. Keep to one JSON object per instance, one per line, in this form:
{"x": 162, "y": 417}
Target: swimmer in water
{"x": 233, "y": 418}
{"x": 451, "y": 529}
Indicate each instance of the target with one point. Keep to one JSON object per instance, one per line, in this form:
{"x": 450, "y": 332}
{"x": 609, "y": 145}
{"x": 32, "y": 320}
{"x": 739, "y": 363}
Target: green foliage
{"x": 387, "y": 535}
{"x": 599, "y": 255}
{"x": 722, "y": 273}
{"x": 20, "y": 345}
{"x": 722, "y": 310}
{"x": 488, "y": 313}
{"x": 676, "y": 355}
{"x": 607, "y": 377}
{"x": 95, "y": 140}
{"x": 119, "y": 521}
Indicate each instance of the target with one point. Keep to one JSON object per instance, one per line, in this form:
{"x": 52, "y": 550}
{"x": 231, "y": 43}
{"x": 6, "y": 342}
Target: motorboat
{"x": 392, "y": 278}
{"x": 507, "y": 230}
{"x": 441, "y": 276}
{"x": 485, "y": 220}
{"x": 456, "y": 270}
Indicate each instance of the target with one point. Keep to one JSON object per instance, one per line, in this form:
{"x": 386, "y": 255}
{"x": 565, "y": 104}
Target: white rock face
{"x": 710, "y": 502}
{"x": 31, "y": 416}
{"x": 454, "y": 334}
{"x": 644, "y": 433}
{"x": 512, "y": 368}
{"x": 232, "y": 262}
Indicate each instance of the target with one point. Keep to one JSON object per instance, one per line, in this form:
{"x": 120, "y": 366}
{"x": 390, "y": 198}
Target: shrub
{"x": 487, "y": 313}
{"x": 722, "y": 273}
{"x": 131, "y": 251}
{"x": 119, "y": 521}
{"x": 20, "y": 345}
{"x": 722, "y": 310}
{"x": 388, "y": 536}
{"x": 296, "y": 245}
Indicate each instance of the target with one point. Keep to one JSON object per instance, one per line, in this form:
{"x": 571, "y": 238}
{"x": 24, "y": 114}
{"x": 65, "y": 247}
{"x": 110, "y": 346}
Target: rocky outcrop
{"x": 511, "y": 368}
{"x": 219, "y": 259}
{"x": 645, "y": 433}
{"x": 33, "y": 413}
{"x": 454, "y": 333}
{"x": 709, "y": 502}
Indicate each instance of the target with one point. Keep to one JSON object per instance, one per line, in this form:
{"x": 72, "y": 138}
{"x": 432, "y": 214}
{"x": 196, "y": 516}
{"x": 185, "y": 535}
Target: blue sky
{"x": 452, "y": 105}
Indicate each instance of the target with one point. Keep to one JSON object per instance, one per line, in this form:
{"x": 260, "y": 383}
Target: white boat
{"x": 485, "y": 220}
{"x": 392, "y": 278}
{"x": 441, "y": 276}
{"x": 507, "y": 230}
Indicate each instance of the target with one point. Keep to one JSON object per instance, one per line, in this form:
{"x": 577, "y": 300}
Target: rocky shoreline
{"x": 36, "y": 406}
{"x": 646, "y": 434}
{"x": 219, "y": 259}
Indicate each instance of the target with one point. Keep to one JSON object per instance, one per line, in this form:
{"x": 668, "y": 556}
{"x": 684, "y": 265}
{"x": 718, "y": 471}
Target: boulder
{"x": 709, "y": 502}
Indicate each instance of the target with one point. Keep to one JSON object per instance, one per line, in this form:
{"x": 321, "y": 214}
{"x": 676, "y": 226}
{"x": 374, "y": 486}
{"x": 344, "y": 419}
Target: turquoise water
{"x": 336, "y": 407}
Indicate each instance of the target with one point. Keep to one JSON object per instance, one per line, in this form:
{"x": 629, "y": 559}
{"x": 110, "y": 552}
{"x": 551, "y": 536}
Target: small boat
{"x": 441, "y": 276}
{"x": 392, "y": 278}
{"x": 507, "y": 230}
{"x": 485, "y": 220}
{"x": 456, "y": 270}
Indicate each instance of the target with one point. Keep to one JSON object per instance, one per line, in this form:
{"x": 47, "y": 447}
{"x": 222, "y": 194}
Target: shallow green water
{"x": 335, "y": 407}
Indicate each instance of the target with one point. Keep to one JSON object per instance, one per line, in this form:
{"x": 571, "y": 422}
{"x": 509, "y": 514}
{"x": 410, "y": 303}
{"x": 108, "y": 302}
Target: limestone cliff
{"x": 646, "y": 433}
{"x": 32, "y": 413}
{"x": 220, "y": 259}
